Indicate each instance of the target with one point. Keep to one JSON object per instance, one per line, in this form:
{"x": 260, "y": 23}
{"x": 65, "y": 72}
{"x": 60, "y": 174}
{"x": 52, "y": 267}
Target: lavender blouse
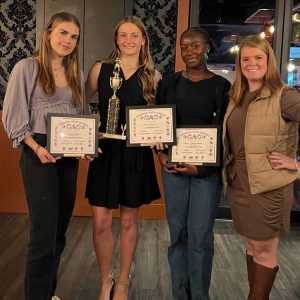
{"x": 26, "y": 106}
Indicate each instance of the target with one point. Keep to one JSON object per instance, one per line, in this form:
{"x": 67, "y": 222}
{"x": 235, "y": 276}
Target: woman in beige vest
{"x": 260, "y": 137}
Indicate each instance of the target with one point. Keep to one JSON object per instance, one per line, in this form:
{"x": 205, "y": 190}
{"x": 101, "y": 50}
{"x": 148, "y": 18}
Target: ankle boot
{"x": 250, "y": 270}
{"x": 262, "y": 282}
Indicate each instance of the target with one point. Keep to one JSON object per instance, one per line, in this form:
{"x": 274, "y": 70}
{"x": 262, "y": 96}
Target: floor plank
{"x": 79, "y": 277}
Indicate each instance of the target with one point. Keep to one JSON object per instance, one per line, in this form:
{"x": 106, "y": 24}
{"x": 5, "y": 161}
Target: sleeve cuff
{"x": 18, "y": 140}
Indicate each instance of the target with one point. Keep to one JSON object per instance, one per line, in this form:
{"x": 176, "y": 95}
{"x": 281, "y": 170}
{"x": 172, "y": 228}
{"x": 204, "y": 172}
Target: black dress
{"x": 121, "y": 175}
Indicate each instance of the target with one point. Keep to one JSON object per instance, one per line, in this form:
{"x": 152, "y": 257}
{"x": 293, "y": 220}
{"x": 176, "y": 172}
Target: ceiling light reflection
{"x": 291, "y": 67}
{"x": 262, "y": 35}
{"x": 234, "y": 49}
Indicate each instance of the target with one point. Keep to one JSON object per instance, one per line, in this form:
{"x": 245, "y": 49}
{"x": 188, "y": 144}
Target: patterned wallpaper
{"x": 17, "y": 36}
{"x": 160, "y": 19}
{"x": 18, "y": 23}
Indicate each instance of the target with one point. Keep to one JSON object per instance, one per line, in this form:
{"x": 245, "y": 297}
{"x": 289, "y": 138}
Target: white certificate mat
{"x": 149, "y": 124}
{"x": 72, "y": 135}
{"x": 197, "y": 146}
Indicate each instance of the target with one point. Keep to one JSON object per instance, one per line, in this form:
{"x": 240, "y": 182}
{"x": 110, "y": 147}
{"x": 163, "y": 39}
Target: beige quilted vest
{"x": 265, "y": 131}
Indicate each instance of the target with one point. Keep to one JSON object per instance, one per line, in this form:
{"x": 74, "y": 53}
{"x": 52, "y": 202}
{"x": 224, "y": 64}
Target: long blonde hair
{"x": 70, "y": 62}
{"x": 146, "y": 71}
{"x": 272, "y": 79}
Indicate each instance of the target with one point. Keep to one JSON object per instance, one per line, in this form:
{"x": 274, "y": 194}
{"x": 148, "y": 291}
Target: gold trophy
{"x": 114, "y": 107}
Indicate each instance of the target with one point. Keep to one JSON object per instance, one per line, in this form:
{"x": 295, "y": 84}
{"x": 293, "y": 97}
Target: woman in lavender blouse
{"x": 48, "y": 82}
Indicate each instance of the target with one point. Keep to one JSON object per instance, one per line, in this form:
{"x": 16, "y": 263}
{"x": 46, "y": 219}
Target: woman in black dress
{"x": 121, "y": 177}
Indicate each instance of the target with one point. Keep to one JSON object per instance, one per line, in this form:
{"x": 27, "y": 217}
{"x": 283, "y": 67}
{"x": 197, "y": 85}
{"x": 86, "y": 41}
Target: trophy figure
{"x": 114, "y": 107}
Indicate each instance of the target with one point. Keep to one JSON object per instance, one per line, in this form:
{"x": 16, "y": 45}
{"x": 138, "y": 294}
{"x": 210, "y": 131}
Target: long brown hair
{"x": 146, "y": 69}
{"x": 272, "y": 79}
{"x": 70, "y": 62}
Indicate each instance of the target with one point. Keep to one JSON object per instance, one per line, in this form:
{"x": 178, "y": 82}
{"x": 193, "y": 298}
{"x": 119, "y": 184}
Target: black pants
{"x": 50, "y": 191}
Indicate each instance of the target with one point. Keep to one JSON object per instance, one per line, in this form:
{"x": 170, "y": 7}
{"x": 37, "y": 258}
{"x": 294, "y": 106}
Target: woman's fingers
{"x": 89, "y": 158}
{"x": 159, "y": 146}
{"x": 45, "y": 157}
{"x": 281, "y": 161}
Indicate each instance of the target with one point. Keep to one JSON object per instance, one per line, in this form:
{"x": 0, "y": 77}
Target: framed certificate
{"x": 148, "y": 124}
{"x": 197, "y": 146}
{"x": 72, "y": 135}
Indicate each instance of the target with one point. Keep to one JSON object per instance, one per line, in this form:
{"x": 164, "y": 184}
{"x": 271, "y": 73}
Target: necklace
{"x": 129, "y": 67}
{"x": 57, "y": 69}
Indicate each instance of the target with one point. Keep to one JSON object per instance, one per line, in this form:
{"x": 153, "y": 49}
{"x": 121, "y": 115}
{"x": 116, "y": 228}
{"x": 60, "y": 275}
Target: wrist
{"x": 36, "y": 150}
{"x": 158, "y": 153}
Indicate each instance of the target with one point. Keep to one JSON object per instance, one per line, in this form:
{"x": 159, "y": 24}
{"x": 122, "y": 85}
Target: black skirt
{"x": 122, "y": 176}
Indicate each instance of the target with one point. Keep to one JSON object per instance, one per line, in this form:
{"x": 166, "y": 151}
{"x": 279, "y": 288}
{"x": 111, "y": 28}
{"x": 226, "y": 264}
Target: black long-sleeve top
{"x": 197, "y": 103}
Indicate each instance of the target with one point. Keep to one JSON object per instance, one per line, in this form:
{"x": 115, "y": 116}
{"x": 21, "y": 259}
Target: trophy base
{"x": 103, "y": 135}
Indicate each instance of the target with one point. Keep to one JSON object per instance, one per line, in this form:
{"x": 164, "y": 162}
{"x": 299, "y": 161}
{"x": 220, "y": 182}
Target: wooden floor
{"x": 79, "y": 279}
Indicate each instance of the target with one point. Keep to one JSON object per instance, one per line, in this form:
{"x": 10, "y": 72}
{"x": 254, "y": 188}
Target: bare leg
{"x": 128, "y": 242}
{"x": 104, "y": 246}
{"x": 264, "y": 252}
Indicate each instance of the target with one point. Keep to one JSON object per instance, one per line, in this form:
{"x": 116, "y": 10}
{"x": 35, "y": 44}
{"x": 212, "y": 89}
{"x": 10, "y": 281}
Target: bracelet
{"x": 37, "y": 149}
{"x": 296, "y": 163}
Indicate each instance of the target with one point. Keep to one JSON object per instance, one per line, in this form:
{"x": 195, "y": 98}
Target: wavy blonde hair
{"x": 272, "y": 79}
{"x": 146, "y": 71}
{"x": 70, "y": 62}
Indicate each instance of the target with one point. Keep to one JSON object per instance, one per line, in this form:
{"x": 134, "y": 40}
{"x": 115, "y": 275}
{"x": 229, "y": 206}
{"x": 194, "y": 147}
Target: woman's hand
{"x": 181, "y": 168}
{"x": 163, "y": 159}
{"x": 159, "y": 146}
{"x": 186, "y": 169}
{"x": 280, "y": 161}
{"x": 89, "y": 158}
{"x": 44, "y": 156}
{"x": 42, "y": 153}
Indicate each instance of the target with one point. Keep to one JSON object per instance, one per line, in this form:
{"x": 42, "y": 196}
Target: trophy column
{"x": 114, "y": 107}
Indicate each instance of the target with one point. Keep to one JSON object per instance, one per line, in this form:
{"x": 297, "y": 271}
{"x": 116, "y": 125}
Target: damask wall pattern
{"x": 17, "y": 36}
{"x": 160, "y": 19}
{"x": 18, "y": 33}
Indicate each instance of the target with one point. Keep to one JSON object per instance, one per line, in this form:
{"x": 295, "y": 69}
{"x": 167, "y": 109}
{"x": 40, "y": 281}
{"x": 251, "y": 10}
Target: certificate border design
{"x": 218, "y": 145}
{"x": 128, "y": 131}
{"x": 50, "y": 117}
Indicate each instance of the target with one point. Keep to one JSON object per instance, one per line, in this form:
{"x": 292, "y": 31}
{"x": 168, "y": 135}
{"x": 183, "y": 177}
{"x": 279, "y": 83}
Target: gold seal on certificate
{"x": 197, "y": 146}
{"x": 72, "y": 135}
{"x": 114, "y": 107}
{"x": 149, "y": 124}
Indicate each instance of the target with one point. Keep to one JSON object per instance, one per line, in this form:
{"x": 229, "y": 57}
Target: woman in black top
{"x": 121, "y": 176}
{"x": 192, "y": 193}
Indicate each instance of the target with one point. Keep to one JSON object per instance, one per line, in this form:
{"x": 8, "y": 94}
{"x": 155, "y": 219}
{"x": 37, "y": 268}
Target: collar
{"x": 263, "y": 94}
